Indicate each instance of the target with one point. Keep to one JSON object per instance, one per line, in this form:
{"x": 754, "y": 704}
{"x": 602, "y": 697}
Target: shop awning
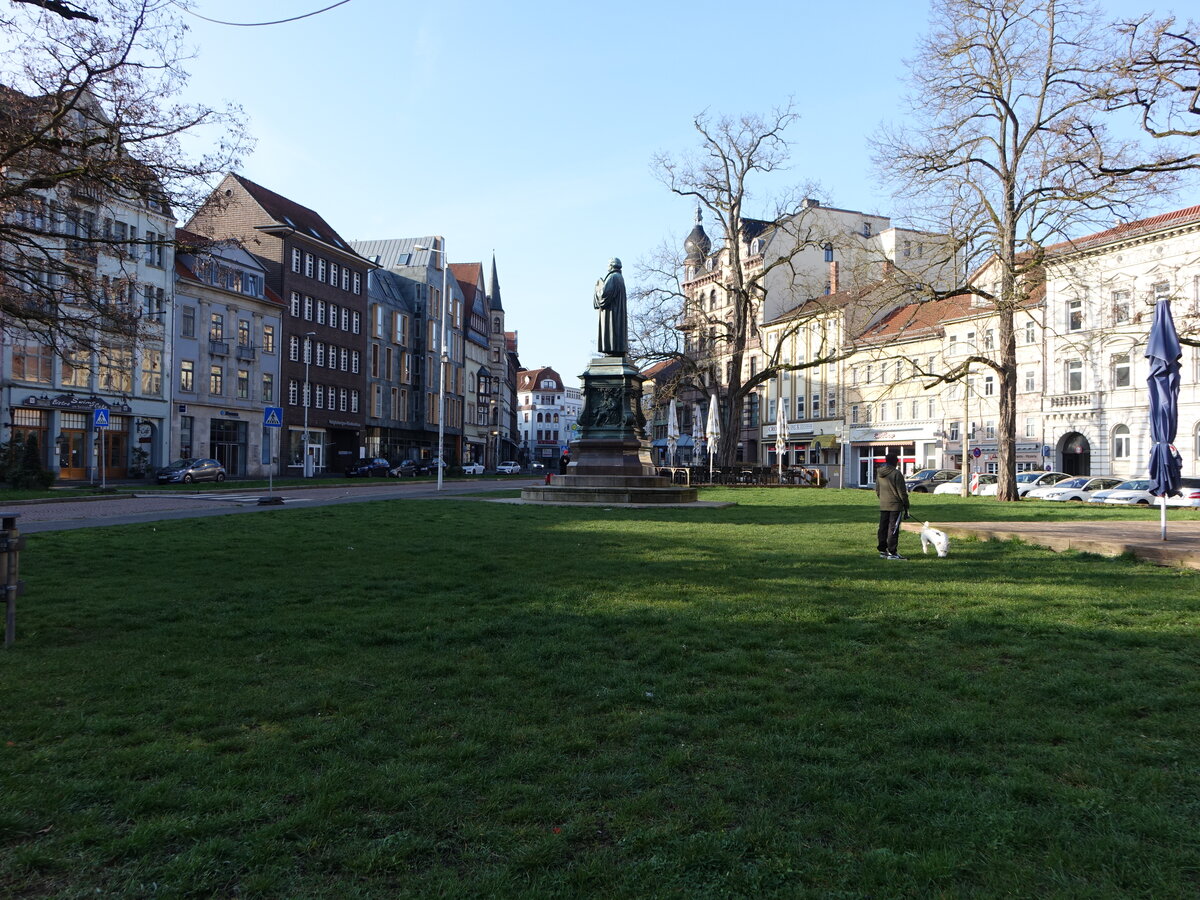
{"x": 827, "y": 441}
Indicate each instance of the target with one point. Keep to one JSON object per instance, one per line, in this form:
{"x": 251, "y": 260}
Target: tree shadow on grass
{"x": 598, "y": 704}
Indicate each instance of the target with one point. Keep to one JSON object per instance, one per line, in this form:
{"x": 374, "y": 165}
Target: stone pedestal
{"x": 611, "y": 463}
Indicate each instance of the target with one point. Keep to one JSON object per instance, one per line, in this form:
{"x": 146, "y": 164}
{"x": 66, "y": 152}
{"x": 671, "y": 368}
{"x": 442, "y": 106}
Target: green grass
{"x": 452, "y": 698}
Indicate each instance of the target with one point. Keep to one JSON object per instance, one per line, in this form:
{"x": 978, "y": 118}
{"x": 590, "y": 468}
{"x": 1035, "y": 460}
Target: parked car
{"x": 186, "y": 471}
{"x": 1080, "y": 488}
{"x": 926, "y": 480}
{"x": 1189, "y": 494}
{"x": 954, "y": 485}
{"x": 1132, "y": 493}
{"x": 410, "y": 468}
{"x": 1027, "y": 481}
{"x": 508, "y": 467}
{"x": 365, "y": 468}
{"x": 474, "y": 468}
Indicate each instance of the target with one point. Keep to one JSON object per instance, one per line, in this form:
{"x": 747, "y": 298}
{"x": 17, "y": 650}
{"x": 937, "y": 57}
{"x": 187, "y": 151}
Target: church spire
{"x": 493, "y": 293}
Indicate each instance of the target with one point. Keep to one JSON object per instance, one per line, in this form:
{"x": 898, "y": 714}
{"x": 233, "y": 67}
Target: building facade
{"x": 323, "y": 285}
{"x": 226, "y": 346}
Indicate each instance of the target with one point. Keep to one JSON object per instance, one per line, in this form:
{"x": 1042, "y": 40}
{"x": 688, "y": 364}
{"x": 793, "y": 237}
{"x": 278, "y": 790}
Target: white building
{"x": 547, "y": 413}
{"x": 1100, "y": 296}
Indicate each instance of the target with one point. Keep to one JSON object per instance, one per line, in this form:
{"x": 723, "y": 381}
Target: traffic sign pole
{"x": 272, "y": 421}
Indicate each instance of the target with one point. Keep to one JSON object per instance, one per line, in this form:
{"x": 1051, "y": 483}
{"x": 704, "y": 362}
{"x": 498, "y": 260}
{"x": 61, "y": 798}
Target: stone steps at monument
{"x": 668, "y": 493}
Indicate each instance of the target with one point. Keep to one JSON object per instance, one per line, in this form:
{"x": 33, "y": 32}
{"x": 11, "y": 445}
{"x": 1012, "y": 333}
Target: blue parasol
{"x": 1164, "y": 353}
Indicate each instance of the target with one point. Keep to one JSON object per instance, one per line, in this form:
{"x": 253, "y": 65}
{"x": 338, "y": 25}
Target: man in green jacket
{"x": 893, "y": 505}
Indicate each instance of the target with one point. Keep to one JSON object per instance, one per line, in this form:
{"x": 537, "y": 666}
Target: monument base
{"x": 611, "y": 461}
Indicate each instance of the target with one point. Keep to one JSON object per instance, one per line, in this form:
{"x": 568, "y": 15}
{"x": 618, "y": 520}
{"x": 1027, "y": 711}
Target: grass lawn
{"x": 453, "y": 698}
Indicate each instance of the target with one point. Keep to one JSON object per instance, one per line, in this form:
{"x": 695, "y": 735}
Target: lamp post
{"x": 306, "y": 468}
{"x": 442, "y": 360}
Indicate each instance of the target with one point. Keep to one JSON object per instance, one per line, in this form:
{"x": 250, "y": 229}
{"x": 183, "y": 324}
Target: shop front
{"x": 68, "y": 443}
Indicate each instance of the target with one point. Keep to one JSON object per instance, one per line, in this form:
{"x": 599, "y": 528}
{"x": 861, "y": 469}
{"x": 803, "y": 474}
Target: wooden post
{"x": 10, "y": 557}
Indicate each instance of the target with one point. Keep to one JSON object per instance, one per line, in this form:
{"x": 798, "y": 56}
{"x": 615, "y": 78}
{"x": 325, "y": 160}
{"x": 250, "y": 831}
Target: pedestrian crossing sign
{"x": 273, "y": 417}
{"x": 100, "y": 418}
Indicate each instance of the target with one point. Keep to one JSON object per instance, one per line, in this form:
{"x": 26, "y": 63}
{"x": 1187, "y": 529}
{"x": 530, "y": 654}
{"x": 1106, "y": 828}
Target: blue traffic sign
{"x": 1045, "y": 449}
{"x": 100, "y": 418}
{"x": 273, "y": 417}
{"x": 976, "y": 452}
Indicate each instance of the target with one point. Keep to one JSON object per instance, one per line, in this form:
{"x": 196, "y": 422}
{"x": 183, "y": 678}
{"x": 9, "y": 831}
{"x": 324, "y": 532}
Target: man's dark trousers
{"x": 889, "y": 529}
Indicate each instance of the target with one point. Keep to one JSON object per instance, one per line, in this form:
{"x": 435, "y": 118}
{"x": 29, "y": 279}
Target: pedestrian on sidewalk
{"x": 893, "y": 505}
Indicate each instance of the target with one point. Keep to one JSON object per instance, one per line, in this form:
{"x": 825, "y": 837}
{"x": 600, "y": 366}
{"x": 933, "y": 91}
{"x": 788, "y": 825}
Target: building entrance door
{"x": 1076, "y": 454}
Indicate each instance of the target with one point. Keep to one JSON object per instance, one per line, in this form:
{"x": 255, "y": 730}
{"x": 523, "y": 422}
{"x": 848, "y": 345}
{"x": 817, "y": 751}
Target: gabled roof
{"x": 290, "y": 213}
{"x": 469, "y": 276}
{"x": 531, "y": 379}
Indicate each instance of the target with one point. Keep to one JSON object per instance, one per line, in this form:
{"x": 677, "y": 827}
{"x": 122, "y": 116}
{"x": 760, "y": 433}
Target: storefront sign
{"x": 70, "y": 402}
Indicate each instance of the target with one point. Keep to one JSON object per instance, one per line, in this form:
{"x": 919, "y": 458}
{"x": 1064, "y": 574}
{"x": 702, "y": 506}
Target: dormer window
{"x": 866, "y": 229}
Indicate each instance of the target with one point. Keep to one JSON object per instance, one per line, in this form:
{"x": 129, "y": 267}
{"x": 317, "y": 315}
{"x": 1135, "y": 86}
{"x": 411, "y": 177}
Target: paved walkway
{"x": 67, "y": 513}
{"x": 1143, "y": 539}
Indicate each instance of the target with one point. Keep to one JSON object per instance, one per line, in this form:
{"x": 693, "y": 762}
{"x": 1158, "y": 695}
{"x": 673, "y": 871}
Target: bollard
{"x": 11, "y": 543}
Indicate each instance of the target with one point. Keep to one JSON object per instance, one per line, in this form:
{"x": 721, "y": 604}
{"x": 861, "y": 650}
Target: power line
{"x": 315, "y": 12}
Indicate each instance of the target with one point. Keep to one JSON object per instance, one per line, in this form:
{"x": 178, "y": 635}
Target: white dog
{"x": 930, "y": 535}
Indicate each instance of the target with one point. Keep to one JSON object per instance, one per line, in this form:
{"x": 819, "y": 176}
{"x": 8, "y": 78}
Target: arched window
{"x": 539, "y": 417}
{"x": 712, "y": 300}
{"x": 1120, "y": 443}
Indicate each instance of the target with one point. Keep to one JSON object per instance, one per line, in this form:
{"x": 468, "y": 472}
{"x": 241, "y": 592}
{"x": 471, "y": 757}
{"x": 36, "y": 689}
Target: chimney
{"x": 809, "y": 203}
{"x": 833, "y": 277}
{"x": 888, "y": 267}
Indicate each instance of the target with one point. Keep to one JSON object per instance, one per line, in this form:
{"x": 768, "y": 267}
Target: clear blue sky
{"x": 527, "y": 128}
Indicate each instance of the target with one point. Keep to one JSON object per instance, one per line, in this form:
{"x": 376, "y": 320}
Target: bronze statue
{"x": 610, "y": 300}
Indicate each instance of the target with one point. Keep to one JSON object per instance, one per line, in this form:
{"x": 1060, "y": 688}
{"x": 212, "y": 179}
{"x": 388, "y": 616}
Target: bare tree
{"x": 756, "y": 270}
{"x": 1009, "y": 151}
{"x": 1158, "y": 75}
{"x": 90, "y": 123}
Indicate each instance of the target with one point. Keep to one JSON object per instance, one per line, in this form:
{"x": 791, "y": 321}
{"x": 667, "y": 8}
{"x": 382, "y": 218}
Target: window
{"x": 187, "y": 322}
{"x": 187, "y": 375}
{"x": 1120, "y": 307}
{"x": 345, "y": 279}
{"x": 293, "y": 392}
{"x": 374, "y": 360}
{"x": 1030, "y": 381}
{"x": 1120, "y": 370}
{"x": 320, "y": 398}
{"x": 321, "y": 353}
{"x": 854, "y": 414}
{"x": 954, "y": 431}
{"x": 1031, "y": 428}
{"x": 989, "y": 339}
{"x": 333, "y": 273}
{"x": 243, "y": 332}
{"x": 216, "y": 327}
{"x": 295, "y": 260}
{"x": 353, "y": 397}
{"x": 1075, "y": 315}
{"x": 354, "y": 361}
{"x": 1120, "y": 442}
{"x": 320, "y": 312}
{"x": 116, "y": 369}
{"x": 346, "y": 320}
{"x": 294, "y": 348}
{"x": 295, "y": 305}
{"x": 32, "y": 362}
{"x": 357, "y": 286}
{"x": 307, "y": 350}
{"x": 989, "y": 385}
{"x": 268, "y": 339}
{"x": 321, "y": 270}
{"x": 1074, "y": 375}
{"x": 828, "y": 248}
{"x": 243, "y": 384}
{"x": 268, "y": 388}
{"x": 952, "y": 347}
{"x": 308, "y": 308}
{"x": 345, "y": 357}
{"x": 989, "y": 431}
{"x": 308, "y": 264}
{"x": 1162, "y": 291}
{"x": 831, "y": 403}
{"x": 151, "y": 373}
{"x": 216, "y": 380}
{"x": 1030, "y": 332}
{"x": 186, "y": 427}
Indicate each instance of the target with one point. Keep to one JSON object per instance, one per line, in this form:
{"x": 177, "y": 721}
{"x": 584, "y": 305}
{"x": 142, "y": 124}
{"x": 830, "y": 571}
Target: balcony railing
{"x": 1082, "y": 398}
{"x": 218, "y": 348}
{"x": 244, "y": 352}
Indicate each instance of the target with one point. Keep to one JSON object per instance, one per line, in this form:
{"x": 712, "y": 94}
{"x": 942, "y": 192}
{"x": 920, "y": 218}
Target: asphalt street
{"x": 136, "y": 508}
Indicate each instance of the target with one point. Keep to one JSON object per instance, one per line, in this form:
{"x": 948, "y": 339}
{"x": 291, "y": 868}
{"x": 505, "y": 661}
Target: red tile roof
{"x": 288, "y": 212}
{"x": 1128, "y": 230}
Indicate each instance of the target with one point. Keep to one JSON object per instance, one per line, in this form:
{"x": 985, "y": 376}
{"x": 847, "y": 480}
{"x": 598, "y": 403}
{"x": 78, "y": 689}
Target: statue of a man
{"x": 610, "y": 300}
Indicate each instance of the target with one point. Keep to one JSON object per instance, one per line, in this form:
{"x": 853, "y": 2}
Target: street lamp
{"x": 442, "y": 359}
{"x": 307, "y": 469}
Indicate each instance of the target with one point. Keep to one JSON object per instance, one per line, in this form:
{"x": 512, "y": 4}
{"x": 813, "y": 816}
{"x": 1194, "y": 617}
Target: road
{"x": 136, "y": 508}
